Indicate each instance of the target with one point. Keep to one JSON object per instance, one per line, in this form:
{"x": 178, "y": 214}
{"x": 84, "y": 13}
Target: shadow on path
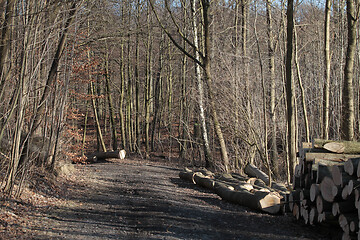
{"x": 123, "y": 200}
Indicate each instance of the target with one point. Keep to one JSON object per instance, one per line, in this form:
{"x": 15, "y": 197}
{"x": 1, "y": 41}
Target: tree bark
{"x": 290, "y": 89}
{"x": 327, "y": 64}
{"x": 205, "y": 138}
{"x": 271, "y": 54}
{"x": 96, "y": 116}
{"x": 347, "y": 114}
{"x": 302, "y": 90}
{"x": 122, "y": 97}
{"x": 5, "y": 40}
{"x": 208, "y": 79}
{"x": 110, "y": 102}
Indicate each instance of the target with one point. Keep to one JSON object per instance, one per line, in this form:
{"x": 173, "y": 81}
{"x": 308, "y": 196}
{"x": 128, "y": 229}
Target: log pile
{"x": 326, "y": 185}
{"x": 251, "y": 191}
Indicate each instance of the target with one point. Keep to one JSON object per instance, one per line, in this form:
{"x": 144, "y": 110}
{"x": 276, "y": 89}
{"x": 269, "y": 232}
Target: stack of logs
{"x": 326, "y": 185}
{"x": 251, "y": 191}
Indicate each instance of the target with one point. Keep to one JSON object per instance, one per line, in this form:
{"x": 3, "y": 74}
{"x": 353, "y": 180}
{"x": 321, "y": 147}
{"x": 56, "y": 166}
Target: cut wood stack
{"x": 251, "y": 191}
{"x": 326, "y": 185}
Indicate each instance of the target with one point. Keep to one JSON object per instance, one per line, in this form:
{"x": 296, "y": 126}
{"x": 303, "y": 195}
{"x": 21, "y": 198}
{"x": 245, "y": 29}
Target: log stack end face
{"x": 334, "y": 189}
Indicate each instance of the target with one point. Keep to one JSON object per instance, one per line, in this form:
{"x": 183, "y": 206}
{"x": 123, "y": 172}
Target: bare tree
{"x": 347, "y": 115}
{"x": 290, "y": 93}
{"x": 327, "y": 63}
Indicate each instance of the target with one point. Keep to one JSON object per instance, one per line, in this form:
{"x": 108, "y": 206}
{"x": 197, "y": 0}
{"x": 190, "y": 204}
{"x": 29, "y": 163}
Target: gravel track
{"x": 132, "y": 199}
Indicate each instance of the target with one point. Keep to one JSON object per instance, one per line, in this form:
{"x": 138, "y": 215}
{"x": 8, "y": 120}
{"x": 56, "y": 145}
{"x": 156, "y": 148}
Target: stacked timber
{"x": 252, "y": 191}
{"x": 326, "y": 185}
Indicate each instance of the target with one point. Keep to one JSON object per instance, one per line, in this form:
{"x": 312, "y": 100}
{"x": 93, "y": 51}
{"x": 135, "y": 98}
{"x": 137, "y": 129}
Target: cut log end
{"x": 270, "y": 203}
{"x": 335, "y": 147}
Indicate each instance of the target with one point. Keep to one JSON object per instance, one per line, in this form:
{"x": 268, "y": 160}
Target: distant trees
{"x": 177, "y": 79}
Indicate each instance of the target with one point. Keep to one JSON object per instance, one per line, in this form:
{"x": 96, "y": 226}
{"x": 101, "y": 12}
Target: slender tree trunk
{"x": 129, "y": 99}
{"x": 5, "y": 41}
{"x": 347, "y": 115}
{"x": 290, "y": 93}
{"x": 122, "y": 97}
{"x": 85, "y": 130}
{"x": 110, "y": 102}
{"x": 302, "y": 90}
{"x": 327, "y": 59}
{"x": 245, "y": 63}
{"x": 137, "y": 83}
{"x": 148, "y": 87}
{"x": 157, "y": 96}
{"x": 207, "y": 151}
{"x": 265, "y": 123}
{"x": 170, "y": 95}
{"x": 96, "y": 116}
{"x": 244, "y": 33}
{"x": 271, "y": 55}
{"x": 183, "y": 102}
{"x": 208, "y": 79}
{"x": 238, "y": 161}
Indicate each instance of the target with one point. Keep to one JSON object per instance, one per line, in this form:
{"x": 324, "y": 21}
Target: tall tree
{"x": 290, "y": 88}
{"x": 271, "y": 55}
{"x": 347, "y": 114}
{"x": 327, "y": 59}
{"x": 207, "y": 151}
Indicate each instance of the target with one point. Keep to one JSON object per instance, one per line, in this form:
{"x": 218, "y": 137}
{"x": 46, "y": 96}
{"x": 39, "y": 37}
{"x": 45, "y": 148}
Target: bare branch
{"x": 171, "y": 37}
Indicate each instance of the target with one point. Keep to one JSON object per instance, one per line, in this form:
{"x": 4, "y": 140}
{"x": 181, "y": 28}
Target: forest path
{"x": 130, "y": 199}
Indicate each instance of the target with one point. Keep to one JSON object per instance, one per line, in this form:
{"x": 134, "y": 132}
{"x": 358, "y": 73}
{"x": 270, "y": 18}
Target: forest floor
{"x": 137, "y": 199}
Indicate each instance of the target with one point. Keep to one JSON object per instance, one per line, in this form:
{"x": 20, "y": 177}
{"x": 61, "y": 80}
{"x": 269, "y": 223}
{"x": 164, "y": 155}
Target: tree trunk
{"x": 264, "y": 108}
{"x": 110, "y": 102}
{"x": 208, "y": 79}
{"x": 158, "y": 89}
{"x": 121, "y": 104}
{"x": 290, "y": 89}
{"x": 207, "y": 151}
{"x": 327, "y": 60}
{"x": 5, "y": 40}
{"x": 183, "y": 102}
{"x": 271, "y": 54}
{"x": 96, "y": 117}
{"x": 302, "y": 90}
{"x": 129, "y": 98}
{"x": 137, "y": 82}
{"x": 148, "y": 88}
{"x": 347, "y": 114}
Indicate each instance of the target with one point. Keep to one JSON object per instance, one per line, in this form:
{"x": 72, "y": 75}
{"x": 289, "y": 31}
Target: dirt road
{"x": 129, "y": 199}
